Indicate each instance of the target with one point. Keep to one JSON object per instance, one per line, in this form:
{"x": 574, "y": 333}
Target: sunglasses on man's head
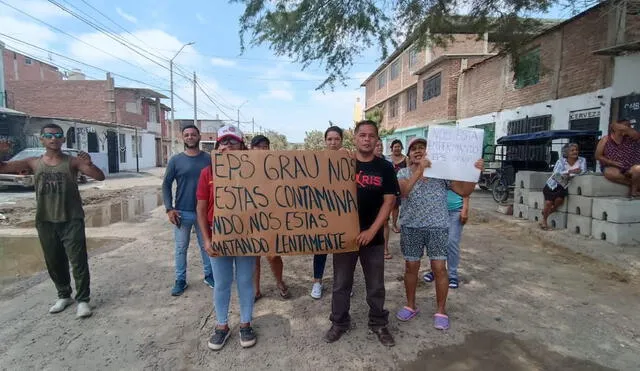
{"x": 52, "y": 135}
{"x": 229, "y": 142}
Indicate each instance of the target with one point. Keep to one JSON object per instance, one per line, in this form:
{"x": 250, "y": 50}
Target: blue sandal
{"x": 407, "y": 314}
{"x": 428, "y": 277}
{"x": 453, "y": 283}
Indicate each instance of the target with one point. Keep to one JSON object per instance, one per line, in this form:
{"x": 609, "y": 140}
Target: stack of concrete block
{"x": 527, "y": 185}
{"x": 600, "y": 208}
{"x": 529, "y": 200}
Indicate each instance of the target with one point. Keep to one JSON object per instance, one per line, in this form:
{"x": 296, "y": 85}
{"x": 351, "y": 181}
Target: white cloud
{"x": 36, "y": 8}
{"x": 201, "y": 18}
{"x": 25, "y": 31}
{"x": 126, "y": 16}
{"x": 221, "y": 62}
{"x": 278, "y": 94}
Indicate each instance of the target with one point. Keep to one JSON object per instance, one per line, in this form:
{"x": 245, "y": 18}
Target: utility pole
{"x": 238, "y": 118}
{"x": 173, "y": 123}
{"x": 253, "y": 125}
{"x": 195, "y": 102}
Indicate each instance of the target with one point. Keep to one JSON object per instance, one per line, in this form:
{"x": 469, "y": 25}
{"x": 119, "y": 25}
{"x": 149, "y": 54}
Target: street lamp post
{"x": 172, "y": 124}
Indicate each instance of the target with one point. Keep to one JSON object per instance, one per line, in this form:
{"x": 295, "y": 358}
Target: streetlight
{"x": 171, "y": 126}
{"x": 240, "y": 106}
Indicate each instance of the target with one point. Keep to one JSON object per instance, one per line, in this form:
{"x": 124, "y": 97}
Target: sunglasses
{"x": 229, "y": 142}
{"x": 52, "y": 135}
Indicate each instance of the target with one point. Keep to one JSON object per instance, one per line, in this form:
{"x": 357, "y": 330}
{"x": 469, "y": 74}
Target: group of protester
{"x": 431, "y": 208}
{"x": 431, "y": 213}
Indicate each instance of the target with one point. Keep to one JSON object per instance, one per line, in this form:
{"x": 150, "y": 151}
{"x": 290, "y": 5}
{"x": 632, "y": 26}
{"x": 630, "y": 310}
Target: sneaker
{"x": 60, "y": 305}
{"x": 384, "y": 336}
{"x": 247, "y": 337}
{"x": 218, "y": 339}
{"x": 316, "y": 290}
{"x": 428, "y": 277}
{"x": 209, "y": 281}
{"x": 334, "y": 334}
{"x": 179, "y": 288}
{"x": 84, "y": 310}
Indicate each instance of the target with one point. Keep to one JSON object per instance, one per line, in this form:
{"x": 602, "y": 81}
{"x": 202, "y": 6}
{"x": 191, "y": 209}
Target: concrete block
{"x": 557, "y": 220}
{"x": 505, "y": 209}
{"x": 536, "y": 200}
{"x": 521, "y": 211}
{"x": 533, "y": 180}
{"x": 535, "y": 215}
{"x": 521, "y": 196}
{"x": 580, "y": 205}
{"x": 579, "y": 224}
{"x": 596, "y": 186}
{"x": 616, "y": 233}
{"x": 616, "y": 210}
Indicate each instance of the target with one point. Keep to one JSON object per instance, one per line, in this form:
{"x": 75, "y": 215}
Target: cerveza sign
{"x": 584, "y": 114}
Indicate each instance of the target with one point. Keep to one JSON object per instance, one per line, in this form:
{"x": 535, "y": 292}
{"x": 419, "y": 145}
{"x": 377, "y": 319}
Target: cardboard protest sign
{"x": 284, "y": 203}
{"x": 453, "y": 152}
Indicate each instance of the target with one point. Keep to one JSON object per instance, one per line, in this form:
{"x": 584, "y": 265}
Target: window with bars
{"x": 395, "y": 70}
{"x": 382, "y": 80}
{"x": 393, "y": 107}
{"x": 431, "y": 87}
{"x": 412, "y": 98}
{"x": 527, "y": 69}
{"x": 413, "y": 57}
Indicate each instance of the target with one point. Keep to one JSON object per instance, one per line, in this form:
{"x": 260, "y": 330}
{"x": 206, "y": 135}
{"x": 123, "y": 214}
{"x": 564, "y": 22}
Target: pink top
{"x": 627, "y": 152}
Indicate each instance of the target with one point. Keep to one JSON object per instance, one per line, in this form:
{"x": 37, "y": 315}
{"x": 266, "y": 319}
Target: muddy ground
{"x": 523, "y": 305}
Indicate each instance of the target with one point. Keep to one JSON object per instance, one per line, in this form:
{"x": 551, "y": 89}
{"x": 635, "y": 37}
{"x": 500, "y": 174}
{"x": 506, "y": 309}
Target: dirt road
{"x": 523, "y": 305}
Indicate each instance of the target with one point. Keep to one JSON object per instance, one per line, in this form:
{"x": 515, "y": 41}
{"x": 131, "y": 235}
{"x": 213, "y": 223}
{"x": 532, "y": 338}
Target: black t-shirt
{"x": 374, "y": 179}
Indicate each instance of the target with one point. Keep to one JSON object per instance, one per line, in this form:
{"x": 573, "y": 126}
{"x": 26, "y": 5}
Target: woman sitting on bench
{"x": 555, "y": 191}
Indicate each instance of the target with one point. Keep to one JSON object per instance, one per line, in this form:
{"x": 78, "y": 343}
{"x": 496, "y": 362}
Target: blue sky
{"x": 277, "y": 93}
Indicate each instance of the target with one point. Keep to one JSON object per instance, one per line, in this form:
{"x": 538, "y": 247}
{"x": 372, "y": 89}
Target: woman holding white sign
{"x": 424, "y": 218}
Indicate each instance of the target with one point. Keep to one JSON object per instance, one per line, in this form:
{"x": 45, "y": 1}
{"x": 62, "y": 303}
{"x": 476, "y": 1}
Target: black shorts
{"x": 553, "y": 194}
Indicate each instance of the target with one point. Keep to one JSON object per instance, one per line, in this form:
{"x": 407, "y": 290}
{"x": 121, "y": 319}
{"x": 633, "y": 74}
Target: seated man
{"x": 619, "y": 156}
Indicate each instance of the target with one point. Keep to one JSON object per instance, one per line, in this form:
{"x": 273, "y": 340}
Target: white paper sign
{"x": 453, "y": 153}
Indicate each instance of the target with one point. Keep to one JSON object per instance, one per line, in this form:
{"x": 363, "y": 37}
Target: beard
{"x": 195, "y": 145}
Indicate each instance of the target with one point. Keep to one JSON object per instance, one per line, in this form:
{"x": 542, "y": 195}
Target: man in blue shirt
{"x": 185, "y": 169}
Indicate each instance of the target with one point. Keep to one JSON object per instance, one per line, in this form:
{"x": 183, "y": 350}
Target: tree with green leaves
{"x": 314, "y": 140}
{"x": 278, "y": 141}
{"x": 334, "y": 33}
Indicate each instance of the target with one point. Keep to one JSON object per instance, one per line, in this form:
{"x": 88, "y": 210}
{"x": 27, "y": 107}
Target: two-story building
{"x": 577, "y": 74}
{"x": 125, "y": 123}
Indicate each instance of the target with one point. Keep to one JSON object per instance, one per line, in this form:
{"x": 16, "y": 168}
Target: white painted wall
{"x": 148, "y": 153}
{"x": 626, "y": 75}
{"x": 559, "y": 110}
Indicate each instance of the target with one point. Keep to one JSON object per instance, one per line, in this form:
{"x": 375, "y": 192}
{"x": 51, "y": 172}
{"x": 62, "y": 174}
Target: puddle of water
{"x": 493, "y": 350}
{"x": 118, "y": 210}
{"x": 22, "y": 256}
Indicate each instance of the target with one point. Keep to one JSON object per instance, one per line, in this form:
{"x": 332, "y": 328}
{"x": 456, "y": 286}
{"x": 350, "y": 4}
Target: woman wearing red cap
{"x": 230, "y": 138}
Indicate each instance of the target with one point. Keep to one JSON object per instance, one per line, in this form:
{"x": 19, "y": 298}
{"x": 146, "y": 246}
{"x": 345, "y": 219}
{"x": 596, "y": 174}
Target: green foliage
{"x": 335, "y": 32}
{"x": 278, "y": 141}
{"x": 314, "y": 140}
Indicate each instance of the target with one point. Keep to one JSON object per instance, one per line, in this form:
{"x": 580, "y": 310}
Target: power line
{"x": 213, "y": 101}
{"x": 70, "y": 35}
{"x": 118, "y": 39}
{"x": 83, "y": 63}
{"x": 58, "y": 65}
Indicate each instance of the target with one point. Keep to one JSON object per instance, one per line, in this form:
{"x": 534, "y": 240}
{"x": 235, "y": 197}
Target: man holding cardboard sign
{"x": 377, "y": 190}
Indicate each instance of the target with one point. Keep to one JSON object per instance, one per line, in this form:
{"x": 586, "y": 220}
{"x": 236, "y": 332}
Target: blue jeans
{"x": 453, "y": 245}
{"x": 319, "y": 262}
{"x": 223, "y": 275}
{"x": 182, "y": 237}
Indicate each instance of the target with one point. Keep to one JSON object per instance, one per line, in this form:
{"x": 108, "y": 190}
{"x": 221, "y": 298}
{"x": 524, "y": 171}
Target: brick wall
{"x": 460, "y": 44}
{"x": 64, "y": 99}
{"x": 124, "y": 96}
{"x": 568, "y": 68}
{"x": 16, "y": 68}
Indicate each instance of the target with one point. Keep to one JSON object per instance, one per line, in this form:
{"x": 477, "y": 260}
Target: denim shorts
{"x": 414, "y": 241}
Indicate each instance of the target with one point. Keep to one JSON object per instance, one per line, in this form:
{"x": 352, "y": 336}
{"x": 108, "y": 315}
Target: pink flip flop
{"x": 406, "y": 314}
